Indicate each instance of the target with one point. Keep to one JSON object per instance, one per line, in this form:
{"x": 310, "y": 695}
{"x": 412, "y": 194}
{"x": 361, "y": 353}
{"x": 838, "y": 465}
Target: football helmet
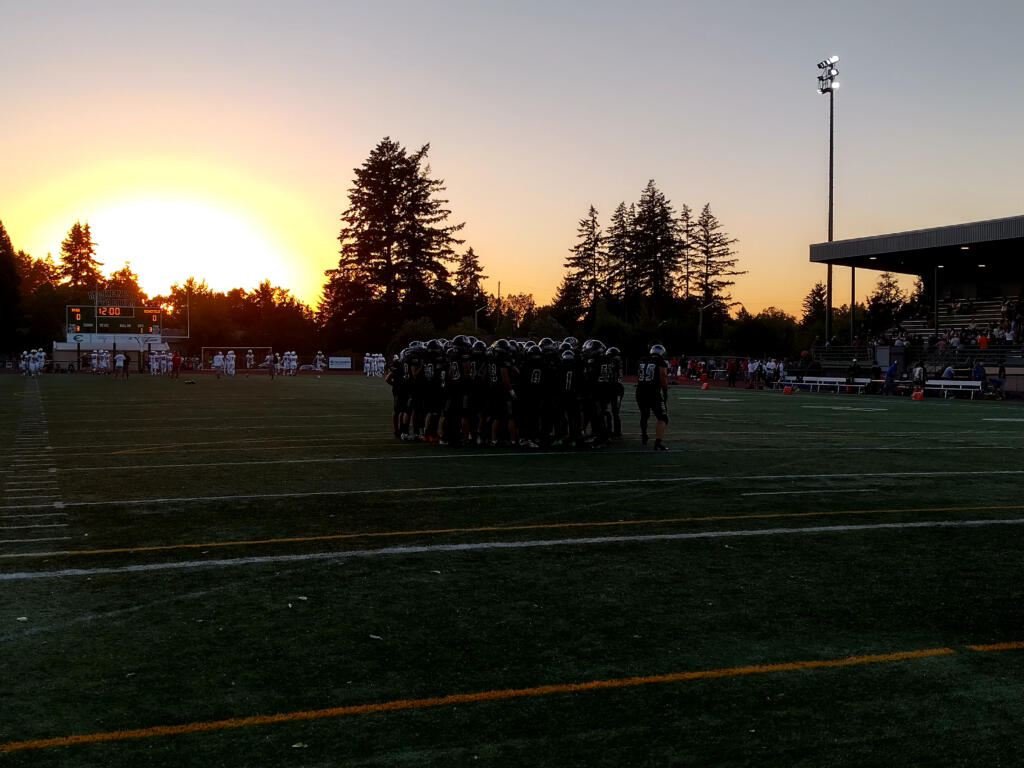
{"x": 658, "y": 350}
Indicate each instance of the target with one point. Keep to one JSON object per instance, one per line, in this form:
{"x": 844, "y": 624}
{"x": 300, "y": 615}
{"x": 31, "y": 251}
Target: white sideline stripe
{"x": 1002, "y": 419}
{"x": 504, "y": 453}
{"x": 29, "y": 541}
{"x": 498, "y": 486}
{"x": 234, "y": 428}
{"x": 25, "y": 527}
{"x": 530, "y": 544}
{"x": 43, "y": 514}
{"x": 818, "y": 490}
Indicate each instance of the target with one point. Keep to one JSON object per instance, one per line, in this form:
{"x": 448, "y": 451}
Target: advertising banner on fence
{"x": 339, "y": 363}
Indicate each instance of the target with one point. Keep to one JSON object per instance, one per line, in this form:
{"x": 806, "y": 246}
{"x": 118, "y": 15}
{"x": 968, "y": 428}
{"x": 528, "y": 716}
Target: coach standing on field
{"x": 652, "y": 394}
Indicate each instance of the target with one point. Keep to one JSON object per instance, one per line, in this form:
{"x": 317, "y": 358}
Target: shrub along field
{"x": 249, "y": 572}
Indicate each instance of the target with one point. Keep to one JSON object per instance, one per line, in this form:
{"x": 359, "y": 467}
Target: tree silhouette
{"x": 78, "y": 265}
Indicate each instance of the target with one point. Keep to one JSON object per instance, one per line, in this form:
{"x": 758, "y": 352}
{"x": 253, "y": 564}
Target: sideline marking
{"x": 550, "y": 484}
{"x": 841, "y": 408}
{"x": 528, "y": 544}
{"x": 816, "y": 490}
{"x": 491, "y": 529}
{"x": 491, "y": 695}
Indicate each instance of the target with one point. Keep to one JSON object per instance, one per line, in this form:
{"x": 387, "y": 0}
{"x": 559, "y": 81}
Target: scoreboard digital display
{"x": 109, "y": 320}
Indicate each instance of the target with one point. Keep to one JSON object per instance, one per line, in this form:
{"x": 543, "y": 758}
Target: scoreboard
{"x": 87, "y": 320}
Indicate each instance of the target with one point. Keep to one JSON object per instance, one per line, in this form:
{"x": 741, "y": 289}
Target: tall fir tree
{"x": 395, "y": 241}
{"x": 715, "y": 257}
{"x": 78, "y": 265}
{"x": 814, "y": 305}
{"x": 469, "y": 277}
{"x": 618, "y": 244}
{"x": 684, "y": 234}
{"x": 655, "y": 247}
{"x": 586, "y": 263}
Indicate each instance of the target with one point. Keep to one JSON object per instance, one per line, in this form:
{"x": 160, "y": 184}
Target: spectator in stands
{"x": 948, "y": 372}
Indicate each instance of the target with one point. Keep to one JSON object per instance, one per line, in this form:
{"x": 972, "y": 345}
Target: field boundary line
{"x": 504, "y": 694}
{"x": 506, "y": 545}
{"x": 495, "y": 529}
{"x": 548, "y": 484}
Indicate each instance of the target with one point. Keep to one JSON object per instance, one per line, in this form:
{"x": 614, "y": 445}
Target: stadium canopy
{"x": 986, "y": 254}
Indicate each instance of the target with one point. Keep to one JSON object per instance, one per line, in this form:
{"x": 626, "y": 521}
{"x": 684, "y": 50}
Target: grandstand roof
{"x": 996, "y": 243}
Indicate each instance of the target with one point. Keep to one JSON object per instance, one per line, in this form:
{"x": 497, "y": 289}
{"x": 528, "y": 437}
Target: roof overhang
{"x": 996, "y": 244}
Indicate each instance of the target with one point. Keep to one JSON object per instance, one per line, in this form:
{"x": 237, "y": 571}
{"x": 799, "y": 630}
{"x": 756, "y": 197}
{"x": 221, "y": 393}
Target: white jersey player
{"x": 218, "y": 363}
{"x": 229, "y": 363}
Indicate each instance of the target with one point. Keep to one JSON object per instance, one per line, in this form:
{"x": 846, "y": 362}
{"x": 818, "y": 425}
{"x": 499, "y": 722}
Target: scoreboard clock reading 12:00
{"x": 108, "y": 320}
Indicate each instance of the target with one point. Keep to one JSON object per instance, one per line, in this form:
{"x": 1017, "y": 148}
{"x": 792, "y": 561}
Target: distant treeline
{"x": 650, "y": 275}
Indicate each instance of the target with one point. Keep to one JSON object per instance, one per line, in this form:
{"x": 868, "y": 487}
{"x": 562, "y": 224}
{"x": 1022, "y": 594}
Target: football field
{"x": 249, "y": 572}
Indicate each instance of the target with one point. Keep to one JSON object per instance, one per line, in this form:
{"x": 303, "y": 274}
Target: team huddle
{"x": 32, "y": 362}
{"x": 527, "y": 394}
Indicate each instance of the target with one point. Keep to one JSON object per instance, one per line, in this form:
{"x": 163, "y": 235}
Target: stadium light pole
{"x": 828, "y": 84}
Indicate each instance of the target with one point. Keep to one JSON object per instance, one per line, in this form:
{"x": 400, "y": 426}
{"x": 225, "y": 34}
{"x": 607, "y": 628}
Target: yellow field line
{"x": 998, "y": 647}
{"x": 533, "y": 527}
{"x": 466, "y": 698}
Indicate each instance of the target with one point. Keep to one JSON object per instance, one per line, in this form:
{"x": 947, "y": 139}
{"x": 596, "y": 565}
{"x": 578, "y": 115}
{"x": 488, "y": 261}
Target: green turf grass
{"x": 123, "y": 650}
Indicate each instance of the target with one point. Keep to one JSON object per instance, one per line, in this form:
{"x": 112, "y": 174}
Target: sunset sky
{"x": 218, "y": 138}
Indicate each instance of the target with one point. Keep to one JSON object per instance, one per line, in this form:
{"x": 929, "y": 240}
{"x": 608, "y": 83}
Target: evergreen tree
{"x": 394, "y": 241}
{"x": 568, "y": 306}
{"x": 618, "y": 241}
{"x": 655, "y": 248}
{"x": 9, "y": 293}
{"x": 716, "y": 260}
{"x": 469, "y": 277}
{"x": 687, "y": 266}
{"x": 814, "y": 305}
{"x": 78, "y": 265}
{"x": 884, "y": 304}
{"x": 586, "y": 264}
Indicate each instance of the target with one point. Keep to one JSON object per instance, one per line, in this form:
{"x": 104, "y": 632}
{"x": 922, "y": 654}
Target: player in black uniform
{"x": 395, "y": 378}
{"x": 652, "y": 394}
{"x": 569, "y": 417}
{"x": 454, "y": 423}
{"x": 501, "y": 391}
{"x": 592, "y": 396}
{"x": 476, "y": 399}
{"x": 416, "y": 401}
{"x": 433, "y": 388}
{"x": 533, "y": 386}
{"x": 614, "y": 390}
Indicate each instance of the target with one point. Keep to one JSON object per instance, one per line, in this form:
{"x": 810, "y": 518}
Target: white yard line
{"x": 818, "y": 490}
{"x": 30, "y": 541}
{"x": 501, "y": 454}
{"x": 25, "y": 527}
{"x": 530, "y": 544}
{"x": 551, "y": 484}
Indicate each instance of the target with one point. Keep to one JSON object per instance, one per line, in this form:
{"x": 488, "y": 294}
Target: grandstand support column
{"x": 935, "y": 299}
{"x": 853, "y": 300}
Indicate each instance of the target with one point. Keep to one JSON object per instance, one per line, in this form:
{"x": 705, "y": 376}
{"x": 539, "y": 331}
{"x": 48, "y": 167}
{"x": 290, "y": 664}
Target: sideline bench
{"x": 818, "y": 383}
{"x": 952, "y": 386}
